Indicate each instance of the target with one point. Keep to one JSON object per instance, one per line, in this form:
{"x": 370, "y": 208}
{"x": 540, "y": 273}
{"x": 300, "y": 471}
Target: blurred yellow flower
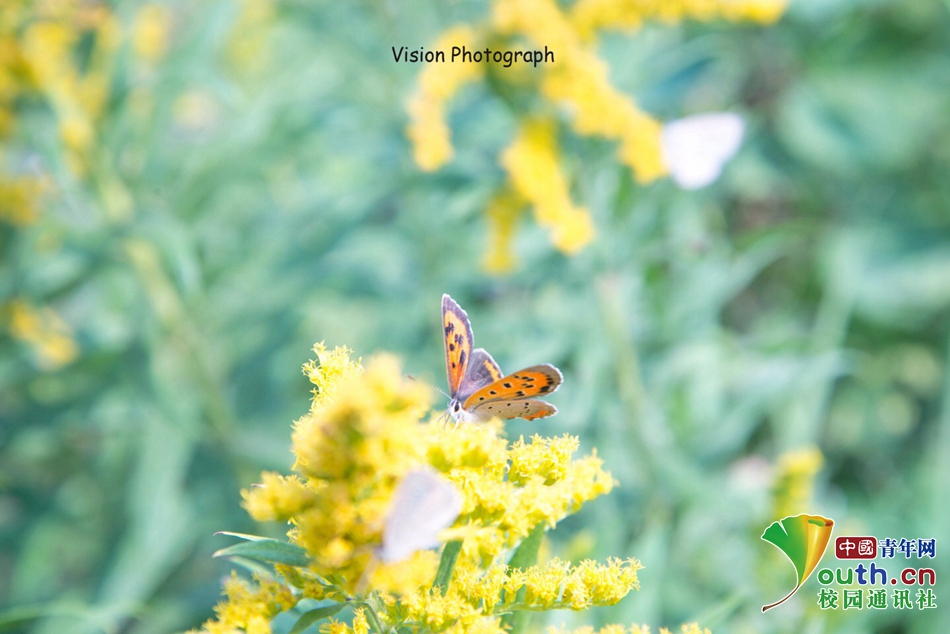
{"x": 795, "y": 481}
{"x": 49, "y": 43}
{"x": 41, "y": 328}
{"x": 365, "y": 431}
{"x": 19, "y": 200}
{"x": 248, "y": 47}
{"x": 150, "y": 32}
{"x": 503, "y": 213}
{"x": 576, "y": 81}
{"x": 428, "y": 130}
{"x": 589, "y": 16}
{"x": 533, "y": 168}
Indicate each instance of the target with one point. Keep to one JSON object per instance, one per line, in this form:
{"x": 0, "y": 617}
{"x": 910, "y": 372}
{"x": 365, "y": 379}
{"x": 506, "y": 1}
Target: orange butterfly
{"x": 477, "y": 389}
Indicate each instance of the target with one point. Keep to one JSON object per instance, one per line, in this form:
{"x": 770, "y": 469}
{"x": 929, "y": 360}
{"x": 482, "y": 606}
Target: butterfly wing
{"x": 424, "y": 504}
{"x": 507, "y": 396}
{"x": 458, "y": 342}
{"x": 696, "y": 148}
{"x": 527, "y": 409}
{"x": 481, "y": 371}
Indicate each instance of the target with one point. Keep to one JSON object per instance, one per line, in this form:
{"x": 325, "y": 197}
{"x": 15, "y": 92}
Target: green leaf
{"x": 527, "y": 552}
{"x": 17, "y": 617}
{"x": 525, "y": 555}
{"x": 310, "y": 617}
{"x": 244, "y": 536}
{"x": 450, "y": 555}
{"x": 252, "y": 566}
{"x": 269, "y": 550}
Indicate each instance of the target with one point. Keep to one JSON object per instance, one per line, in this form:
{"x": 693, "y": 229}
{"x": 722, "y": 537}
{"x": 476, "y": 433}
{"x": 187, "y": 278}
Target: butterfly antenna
{"x": 442, "y": 392}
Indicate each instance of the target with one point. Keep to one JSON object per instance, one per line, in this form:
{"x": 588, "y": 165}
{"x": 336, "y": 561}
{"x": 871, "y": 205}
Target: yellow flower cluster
{"x": 249, "y": 608}
{"x": 795, "y": 481}
{"x": 44, "y": 330}
{"x": 76, "y": 94}
{"x": 532, "y": 166}
{"x": 18, "y": 193}
{"x": 589, "y": 16}
{"x": 150, "y": 32}
{"x": 66, "y": 52}
{"x": 503, "y": 212}
{"x": 428, "y": 130}
{"x": 365, "y": 431}
{"x": 577, "y": 80}
{"x": 19, "y": 198}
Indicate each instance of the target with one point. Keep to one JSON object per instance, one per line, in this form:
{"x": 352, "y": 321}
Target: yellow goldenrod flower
{"x": 150, "y": 33}
{"x": 428, "y": 130}
{"x": 329, "y": 369}
{"x": 532, "y": 166}
{"x": 795, "y": 480}
{"x": 590, "y": 16}
{"x": 50, "y": 337}
{"x": 503, "y": 212}
{"x": 599, "y": 109}
{"x": 366, "y": 429}
{"x": 360, "y": 623}
{"x": 250, "y": 607}
{"x": 278, "y": 498}
{"x": 47, "y": 48}
{"x": 335, "y": 627}
{"x": 548, "y": 458}
{"x": 19, "y": 198}
{"x": 429, "y": 133}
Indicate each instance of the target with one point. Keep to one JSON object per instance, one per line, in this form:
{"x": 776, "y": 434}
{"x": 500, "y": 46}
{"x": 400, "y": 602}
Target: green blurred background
{"x": 249, "y": 191}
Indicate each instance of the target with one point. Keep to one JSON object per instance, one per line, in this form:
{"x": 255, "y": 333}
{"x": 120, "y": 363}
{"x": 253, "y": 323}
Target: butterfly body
{"x": 478, "y": 390}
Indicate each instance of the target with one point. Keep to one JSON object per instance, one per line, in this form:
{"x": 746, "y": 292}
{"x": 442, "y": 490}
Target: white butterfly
{"x": 424, "y": 504}
{"x": 696, "y": 148}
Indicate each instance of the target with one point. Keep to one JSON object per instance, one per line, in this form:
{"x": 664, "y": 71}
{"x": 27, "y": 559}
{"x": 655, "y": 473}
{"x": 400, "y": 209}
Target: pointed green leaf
{"x": 244, "y": 536}
{"x": 527, "y": 552}
{"x": 269, "y": 550}
{"x": 450, "y": 555}
{"x": 310, "y": 617}
{"x": 525, "y": 555}
{"x": 252, "y": 566}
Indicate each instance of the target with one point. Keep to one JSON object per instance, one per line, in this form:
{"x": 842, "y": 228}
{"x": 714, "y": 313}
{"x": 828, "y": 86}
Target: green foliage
{"x": 271, "y": 551}
{"x": 803, "y": 300}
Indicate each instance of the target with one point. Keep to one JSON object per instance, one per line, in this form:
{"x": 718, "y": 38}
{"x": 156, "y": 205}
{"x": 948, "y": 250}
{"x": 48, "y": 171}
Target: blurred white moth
{"x": 424, "y": 504}
{"x": 696, "y": 148}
